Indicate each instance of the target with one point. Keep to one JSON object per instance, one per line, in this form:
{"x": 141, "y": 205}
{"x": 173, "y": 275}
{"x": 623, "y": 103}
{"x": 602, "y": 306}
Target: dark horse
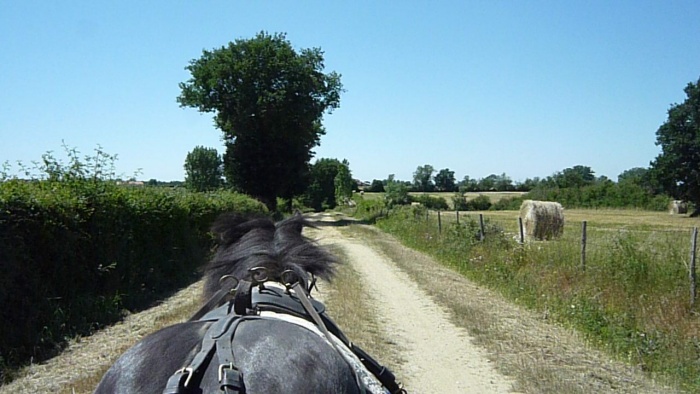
{"x": 220, "y": 350}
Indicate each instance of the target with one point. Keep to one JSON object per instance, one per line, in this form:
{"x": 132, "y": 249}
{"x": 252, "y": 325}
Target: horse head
{"x": 245, "y": 243}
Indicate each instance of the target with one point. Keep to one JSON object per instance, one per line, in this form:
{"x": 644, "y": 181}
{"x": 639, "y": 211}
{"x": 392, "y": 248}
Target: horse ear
{"x": 295, "y": 222}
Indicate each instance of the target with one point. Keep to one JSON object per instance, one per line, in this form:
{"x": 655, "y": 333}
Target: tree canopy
{"x": 376, "y": 186}
{"x": 677, "y": 168}
{"x": 344, "y": 184}
{"x": 576, "y": 176}
{"x": 445, "y": 180}
{"x": 203, "y": 169}
{"x": 269, "y": 101}
{"x": 423, "y": 178}
{"x": 330, "y": 183}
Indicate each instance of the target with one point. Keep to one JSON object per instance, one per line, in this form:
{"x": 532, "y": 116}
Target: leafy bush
{"x": 76, "y": 249}
{"x": 396, "y": 193}
{"x": 508, "y": 204}
{"x": 459, "y": 202}
{"x": 369, "y": 209}
{"x": 602, "y": 195}
{"x": 480, "y": 203}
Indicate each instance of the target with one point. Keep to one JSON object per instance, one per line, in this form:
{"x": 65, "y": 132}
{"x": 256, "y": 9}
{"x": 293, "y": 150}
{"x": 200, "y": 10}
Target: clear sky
{"x": 526, "y": 88}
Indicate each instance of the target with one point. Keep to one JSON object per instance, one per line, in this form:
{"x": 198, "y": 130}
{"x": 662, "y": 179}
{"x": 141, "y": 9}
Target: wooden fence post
{"x": 583, "y": 245}
{"x": 482, "y": 234}
{"x": 457, "y": 212}
{"x": 439, "y": 223}
{"x": 522, "y": 233}
{"x": 691, "y": 269}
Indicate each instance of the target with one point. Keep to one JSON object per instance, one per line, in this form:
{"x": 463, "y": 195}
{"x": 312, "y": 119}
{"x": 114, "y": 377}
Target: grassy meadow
{"x": 632, "y": 298}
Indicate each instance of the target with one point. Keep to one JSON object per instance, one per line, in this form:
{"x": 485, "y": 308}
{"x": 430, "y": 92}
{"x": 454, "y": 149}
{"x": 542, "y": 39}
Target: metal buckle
{"x": 259, "y": 275}
{"x": 229, "y": 277}
{"x": 289, "y": 278}
{"x": 221, "y": 370}
{"x": 189, "y": 371}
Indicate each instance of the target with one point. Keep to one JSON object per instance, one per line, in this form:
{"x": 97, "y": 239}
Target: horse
{"x": 240, "y": 341}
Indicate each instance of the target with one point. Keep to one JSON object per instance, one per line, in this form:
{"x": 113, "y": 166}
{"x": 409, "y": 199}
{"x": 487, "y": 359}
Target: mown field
{"x": 631, "y": 298}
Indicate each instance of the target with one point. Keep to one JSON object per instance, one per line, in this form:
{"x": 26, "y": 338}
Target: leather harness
{"x": 248, "y": 301}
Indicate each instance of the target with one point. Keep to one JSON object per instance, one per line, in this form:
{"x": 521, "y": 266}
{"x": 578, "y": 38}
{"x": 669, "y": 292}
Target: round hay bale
{"x": 678, "y": 207}
{"x": 542, "y": 220}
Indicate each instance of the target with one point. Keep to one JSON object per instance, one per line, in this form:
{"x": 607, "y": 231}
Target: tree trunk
{"x": 270, "y": 203}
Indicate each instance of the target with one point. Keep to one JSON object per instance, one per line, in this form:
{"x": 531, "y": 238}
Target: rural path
{"x": 442, "y": 356}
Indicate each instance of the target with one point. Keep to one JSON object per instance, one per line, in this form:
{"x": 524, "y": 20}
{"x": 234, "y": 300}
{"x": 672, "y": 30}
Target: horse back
{"x": 273, "y": 356}
{"x": 146, "y": 367}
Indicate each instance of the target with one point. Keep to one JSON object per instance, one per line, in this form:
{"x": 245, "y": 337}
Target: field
{"x": 608, "y": 218}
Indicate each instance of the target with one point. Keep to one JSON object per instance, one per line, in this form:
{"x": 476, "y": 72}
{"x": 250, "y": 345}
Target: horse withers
{"x": 260, "y": 332}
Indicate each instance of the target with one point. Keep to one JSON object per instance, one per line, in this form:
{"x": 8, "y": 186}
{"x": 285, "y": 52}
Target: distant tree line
{"x": 575, "y": 187}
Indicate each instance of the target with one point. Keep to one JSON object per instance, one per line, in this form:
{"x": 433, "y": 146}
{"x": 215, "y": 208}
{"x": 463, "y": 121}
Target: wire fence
{"x": 675, "y": 248}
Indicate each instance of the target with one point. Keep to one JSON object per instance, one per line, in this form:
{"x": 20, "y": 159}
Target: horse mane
{"x": 245, "y": 242}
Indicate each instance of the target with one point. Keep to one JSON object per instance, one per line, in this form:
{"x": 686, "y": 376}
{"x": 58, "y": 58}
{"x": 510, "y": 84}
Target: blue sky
{"x": 479, "y": 87}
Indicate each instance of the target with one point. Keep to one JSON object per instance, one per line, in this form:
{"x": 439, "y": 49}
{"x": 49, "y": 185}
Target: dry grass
{"x": 81, "y": 366}
{"x": 613, "y": 218}
{"x": 542, "y": 357}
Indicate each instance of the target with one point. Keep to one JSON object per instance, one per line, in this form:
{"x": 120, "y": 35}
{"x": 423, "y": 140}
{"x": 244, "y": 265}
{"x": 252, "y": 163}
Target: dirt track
{"x": 442, "y": 357}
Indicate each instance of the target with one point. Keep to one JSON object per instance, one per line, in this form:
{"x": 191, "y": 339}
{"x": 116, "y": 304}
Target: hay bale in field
{"x": 678, "y": 207}
{"x": 542, "y": 220}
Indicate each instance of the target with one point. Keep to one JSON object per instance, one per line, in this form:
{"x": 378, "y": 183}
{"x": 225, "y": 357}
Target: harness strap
{"x": 216, "y": 299}
{"x": 300, "y": 292}
{"x": 382, "y": 373}
{"x": 230, "y": 378}
{"x": 243, "y": 298}
{"x": 301, "y": 305}
{"x": 220, "y": 334}
{"x": 178, "y": 383}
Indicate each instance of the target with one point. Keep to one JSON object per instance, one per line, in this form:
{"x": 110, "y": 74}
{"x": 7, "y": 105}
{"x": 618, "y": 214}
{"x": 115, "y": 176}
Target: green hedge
{"x": 74, "y": 254}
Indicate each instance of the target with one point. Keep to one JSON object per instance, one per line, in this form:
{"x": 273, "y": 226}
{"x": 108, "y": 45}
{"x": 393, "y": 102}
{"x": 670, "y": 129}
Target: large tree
{"x": 423, "y": 178}
{"x": 445, "y": 180}
{"x": 321, "y": 193}
{"x": 203, "y": 169}
{"x": 576, "y": 176}
{"x": 677, "y": 168}
{"x": 344, "y": 184}
{"x": 468, "y": 184}
{"x": 269, "y": 101}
